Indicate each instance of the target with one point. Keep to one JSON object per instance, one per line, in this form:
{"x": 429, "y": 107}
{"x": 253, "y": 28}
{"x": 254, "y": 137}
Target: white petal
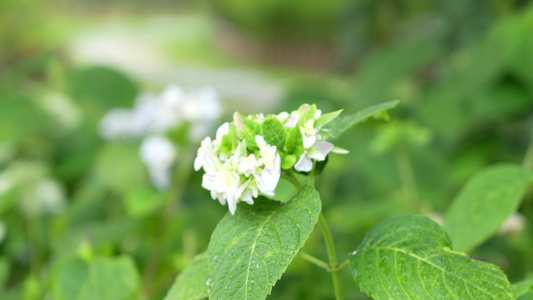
{"x": 318, "y": 112}
{"x": 232, "y": 205}
{"x": 222, "y": 130}
{"x": 260, "y": 141}
{"x": 320, "y": 150}
{"x": 304, "y": 164}
{"x": 339, "y": 150}
{"x": 198, "y": 162}
{"x": 308, "y": 141}
{"x": 291, "y": 122}
{"x": 269, "y": 180}
{"x": 282, "y": 116}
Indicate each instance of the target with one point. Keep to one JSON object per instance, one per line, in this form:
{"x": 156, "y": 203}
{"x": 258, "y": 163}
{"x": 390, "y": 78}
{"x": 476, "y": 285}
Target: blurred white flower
{"x": 6, "y": 182}
{"x": 46, "y": 196}
{"x": 513, "y": 224}
{"x": 7, "y": 151}
{"x": 159, "y": 154}
{"x": 3, "y": 231}
{"x": 117, "y": 124}
{"x": 62, "y": 109}
{"x": 153, "y": 114}
{"x": 51, "y": 196}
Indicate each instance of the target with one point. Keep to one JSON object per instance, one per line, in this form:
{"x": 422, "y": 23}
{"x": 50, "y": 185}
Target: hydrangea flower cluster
{"x": 248, "y": 155}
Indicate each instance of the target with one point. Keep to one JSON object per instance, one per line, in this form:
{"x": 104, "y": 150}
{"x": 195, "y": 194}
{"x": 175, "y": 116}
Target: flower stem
{"x": 332, "y": 255}
{"x": 314, "y": 260}
{"x": 290, "y": 177}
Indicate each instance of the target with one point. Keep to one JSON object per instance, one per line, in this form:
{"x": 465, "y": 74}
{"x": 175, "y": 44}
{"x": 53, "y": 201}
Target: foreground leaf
{"x": 191, "y": 283}
{"x": 339, "y": 125}
{"x": 104, "y": 278}
{"x": 489, "y": 198}
{"x": 249, "y": 251}
{"x": 410, "y": 257}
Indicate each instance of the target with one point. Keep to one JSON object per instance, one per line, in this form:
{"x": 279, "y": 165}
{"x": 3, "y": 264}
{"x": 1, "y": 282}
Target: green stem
{"x": 311, "y": 176}
{"x": 322, "y": 264}
{"x": 181, "y": 179}
{"x": 290, "y": 177}
{"x": 332, "y": 255}
{"x": 341, "y": 266}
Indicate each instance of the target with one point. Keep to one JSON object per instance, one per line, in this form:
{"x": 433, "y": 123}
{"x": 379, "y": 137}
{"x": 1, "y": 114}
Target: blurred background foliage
{"x": 73, "y": 204}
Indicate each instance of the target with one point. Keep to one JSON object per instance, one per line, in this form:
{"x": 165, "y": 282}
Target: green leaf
{"x": 191, "y": 283}
{"x": 306, "y": 112}
{"x": 249, "y": 251}
{"x": 341, "y": 124}
{"x": 489, "y": 198}
{"x": 273, "y": 132}
{"x": 326, "y": 118}
{"x": 409, "y": 257}
{"x": 522, "y": 287}
{"x": 104, "y": 278}
{"x": 294, "y": 143}
{"x": 246, "y": 130}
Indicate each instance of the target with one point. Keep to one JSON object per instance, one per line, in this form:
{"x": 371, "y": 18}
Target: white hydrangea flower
{"x": 235, "y": 172}
{"x": 317, "y": 152}
{"x": 206, "y": 157}
{"x": 268, "y": 179}
{"x": 315, "y": 149}
{"x": 159, "y": 154}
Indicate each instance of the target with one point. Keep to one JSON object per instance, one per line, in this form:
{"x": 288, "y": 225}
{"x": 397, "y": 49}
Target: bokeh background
{"x": 74, "y": 200}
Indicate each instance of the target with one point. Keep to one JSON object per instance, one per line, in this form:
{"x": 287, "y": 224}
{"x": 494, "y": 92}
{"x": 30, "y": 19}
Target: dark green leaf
{"x": 192, "y": 282}
{"x": 249, "y": 251}
{"x": 410, "y": 257}
{"x": 341, "y": 124}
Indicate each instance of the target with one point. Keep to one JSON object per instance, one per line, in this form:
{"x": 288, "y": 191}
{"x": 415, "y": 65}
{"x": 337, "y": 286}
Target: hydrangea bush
{"x": 404, "y": 257}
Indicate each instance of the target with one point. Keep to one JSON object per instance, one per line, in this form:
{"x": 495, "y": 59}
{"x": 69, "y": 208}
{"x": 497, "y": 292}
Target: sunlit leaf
{"x": 410, "y": 257}
{"x": 249, "y": 251}
{"x": 489, "y": 198}
{"x": 191, "y": 283}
